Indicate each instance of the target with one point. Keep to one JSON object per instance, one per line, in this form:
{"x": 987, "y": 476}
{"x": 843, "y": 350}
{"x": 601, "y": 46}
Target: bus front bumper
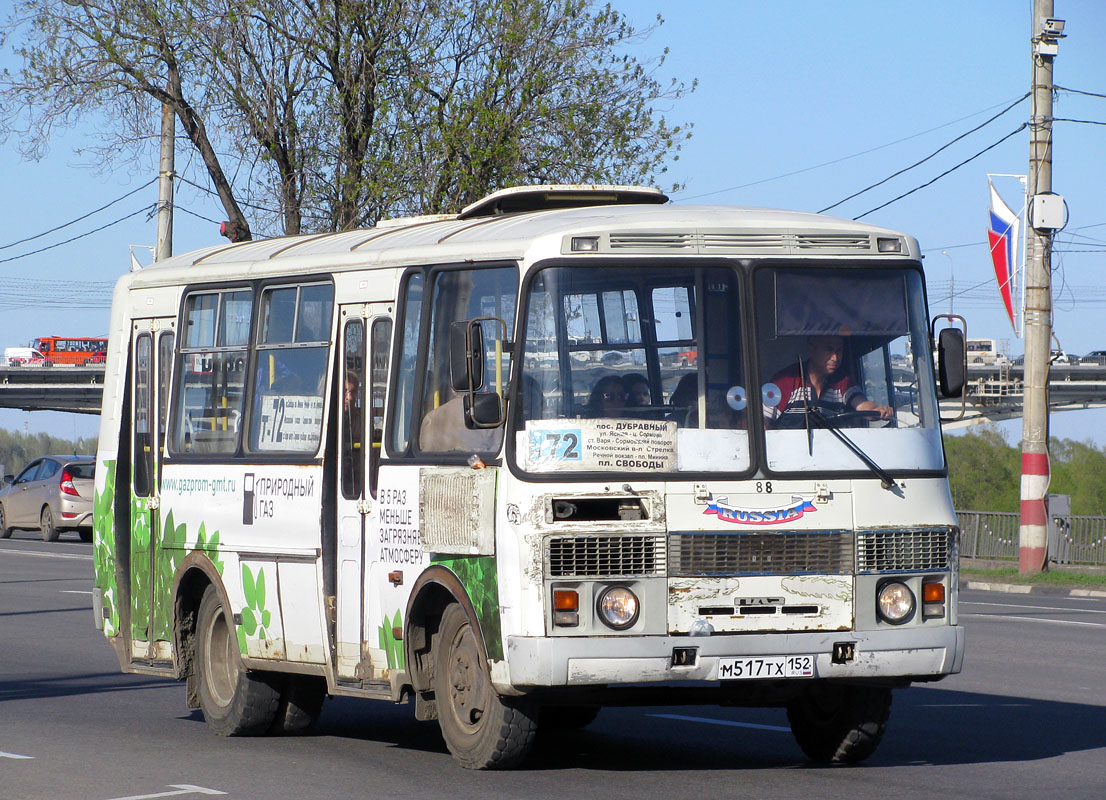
{"x": 569, "y": 661}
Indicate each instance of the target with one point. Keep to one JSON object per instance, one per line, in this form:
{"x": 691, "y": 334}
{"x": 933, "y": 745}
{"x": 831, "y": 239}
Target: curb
{"x": 1024, "y": 588}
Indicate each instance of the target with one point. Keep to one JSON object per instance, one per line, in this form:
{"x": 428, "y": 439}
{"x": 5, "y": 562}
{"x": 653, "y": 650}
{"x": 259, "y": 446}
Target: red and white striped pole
{"x": 1033, "y": 533}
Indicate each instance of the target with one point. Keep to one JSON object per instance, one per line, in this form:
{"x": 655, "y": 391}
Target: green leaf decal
{"x": 249, "y": 622}
{"x": 248, "y": 588}
{"x": 259, "y": 586}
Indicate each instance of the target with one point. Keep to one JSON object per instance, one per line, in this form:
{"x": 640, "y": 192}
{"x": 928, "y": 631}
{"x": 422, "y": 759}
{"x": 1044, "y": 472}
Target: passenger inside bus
{"x": 819, "y": 380}
{"x": 607, "y": 399}
{"x": 683, "y": 398}
{"x": 636, "y": 387}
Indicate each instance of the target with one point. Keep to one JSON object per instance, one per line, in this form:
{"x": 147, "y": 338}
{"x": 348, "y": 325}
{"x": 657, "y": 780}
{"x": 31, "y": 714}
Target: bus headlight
{"x": 618, "y": 607}
{"x": 895, "y": 602}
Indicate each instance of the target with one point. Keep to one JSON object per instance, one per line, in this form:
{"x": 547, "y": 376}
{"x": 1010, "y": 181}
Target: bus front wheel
{"x": 235, "y": 702}
{"x": 481, "y": 729}
{"x": 839, "y": 724}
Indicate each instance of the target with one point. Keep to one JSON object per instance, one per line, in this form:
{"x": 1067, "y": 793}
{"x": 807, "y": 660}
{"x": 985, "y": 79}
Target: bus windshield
{"x": 643, "y": 369}
{"x": 845, "y": 349}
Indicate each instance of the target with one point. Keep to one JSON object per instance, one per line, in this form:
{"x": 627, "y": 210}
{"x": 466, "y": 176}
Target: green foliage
{"x": 17, "y": 450}
{"x": 985, "y": 473}
{"x": 343, "y": 113}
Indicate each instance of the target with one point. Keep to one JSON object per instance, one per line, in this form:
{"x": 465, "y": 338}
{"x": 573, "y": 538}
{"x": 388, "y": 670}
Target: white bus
{"x": 513, "y": 465}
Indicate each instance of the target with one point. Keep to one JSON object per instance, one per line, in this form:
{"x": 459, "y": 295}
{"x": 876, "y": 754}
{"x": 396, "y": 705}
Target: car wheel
{"x": 5, "y": 531}
{"x": 234, "y": 701}
{"x": 49, "y": 528}
{"x": 85, "y": 534}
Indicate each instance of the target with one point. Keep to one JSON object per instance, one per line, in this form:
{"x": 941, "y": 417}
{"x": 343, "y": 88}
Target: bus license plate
{"x": 766, "y": 667}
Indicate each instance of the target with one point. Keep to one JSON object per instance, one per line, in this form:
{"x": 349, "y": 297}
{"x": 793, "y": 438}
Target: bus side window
{"x": 379, "y": 352}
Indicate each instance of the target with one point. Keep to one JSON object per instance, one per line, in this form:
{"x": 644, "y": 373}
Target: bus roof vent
{"x": 551, "y": 196}
{"x": 833, "y": 241}
{"x": 652, "y": 241}
{"x": 745, "y": 242}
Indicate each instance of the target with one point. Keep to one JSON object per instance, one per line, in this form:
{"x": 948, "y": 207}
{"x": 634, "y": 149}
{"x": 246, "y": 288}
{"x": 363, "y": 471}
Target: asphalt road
{"x": 1026, "y": 718}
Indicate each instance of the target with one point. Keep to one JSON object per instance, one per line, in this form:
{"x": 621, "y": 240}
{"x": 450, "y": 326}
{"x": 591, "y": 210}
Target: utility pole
{"x": 164, "y": 244}
{"x": 1033, "y": 533}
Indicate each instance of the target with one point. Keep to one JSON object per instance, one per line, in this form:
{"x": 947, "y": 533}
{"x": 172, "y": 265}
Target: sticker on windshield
{"x": 607, "y": 444}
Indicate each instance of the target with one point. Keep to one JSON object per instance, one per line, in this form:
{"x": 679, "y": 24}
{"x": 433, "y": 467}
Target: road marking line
{"x": 1036, "y": 619}
{"x": 1038, "y": 608}
{"x": 182, "y": 788}
{"x": 45, "y": 555}
{"x": 12, "y": 755}
{"x": 727, "y": 722}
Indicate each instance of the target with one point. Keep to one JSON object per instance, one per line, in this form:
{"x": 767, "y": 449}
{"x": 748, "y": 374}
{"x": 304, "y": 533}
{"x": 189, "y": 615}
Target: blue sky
{"x": 799, "y": 105}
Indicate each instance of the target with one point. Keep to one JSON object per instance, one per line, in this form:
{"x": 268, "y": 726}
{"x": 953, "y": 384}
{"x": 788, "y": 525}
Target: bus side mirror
{"x": 466, "y": 355}
{"x": 951, "y": 360}
{"x": 484, "y": 410}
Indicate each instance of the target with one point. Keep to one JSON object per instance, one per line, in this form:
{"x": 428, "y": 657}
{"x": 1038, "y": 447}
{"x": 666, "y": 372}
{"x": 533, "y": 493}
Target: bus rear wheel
{"x": 235, "y": 702}
{"x": 839, "y": 724}
{"x": 481, "y": 729}
{"x": 301, "y": 702}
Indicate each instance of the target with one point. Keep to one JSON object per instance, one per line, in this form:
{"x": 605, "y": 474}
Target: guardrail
{"x": 1074, "y": 540}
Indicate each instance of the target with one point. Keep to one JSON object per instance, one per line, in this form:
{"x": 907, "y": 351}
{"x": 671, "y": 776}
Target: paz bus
{"x": 400, "y": 463}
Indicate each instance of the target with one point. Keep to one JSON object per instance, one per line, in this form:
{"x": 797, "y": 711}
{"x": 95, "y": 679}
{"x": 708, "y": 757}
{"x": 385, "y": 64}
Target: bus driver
{"x": 824, "y": 387}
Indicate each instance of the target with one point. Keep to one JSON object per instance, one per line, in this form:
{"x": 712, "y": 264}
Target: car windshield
{"x": 848, "y": 349}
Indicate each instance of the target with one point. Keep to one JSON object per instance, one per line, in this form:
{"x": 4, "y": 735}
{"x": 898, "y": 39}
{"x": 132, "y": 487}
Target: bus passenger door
{"x": 152, "y": 345}
{"x": 366, "y": 335}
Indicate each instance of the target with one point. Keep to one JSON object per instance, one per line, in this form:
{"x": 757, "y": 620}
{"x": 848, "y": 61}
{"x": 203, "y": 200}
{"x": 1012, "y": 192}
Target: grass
{"x": 1063, "y": 578}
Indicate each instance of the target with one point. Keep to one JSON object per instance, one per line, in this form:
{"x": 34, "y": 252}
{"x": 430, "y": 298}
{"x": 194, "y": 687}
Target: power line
{"x": 78, "y": 219}
{"x": 216, "y": 194}
{"x": 1017, "y": 130}
{"x": 927, "y": 158}
{"x": 844, "y": 158}
{"x": 144, "y": 210}
{"x": 1080, "y": 121}
{"x": 1077, "y": 91}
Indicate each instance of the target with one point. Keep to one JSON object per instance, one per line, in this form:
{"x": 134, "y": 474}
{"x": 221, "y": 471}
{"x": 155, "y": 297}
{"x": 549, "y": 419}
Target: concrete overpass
{"x": 57, "y": 388}
{"x": 993, "y": 392}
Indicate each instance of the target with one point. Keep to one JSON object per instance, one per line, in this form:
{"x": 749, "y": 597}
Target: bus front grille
{"x": 604, "y": 556}
{"x": 895, "y": 551}
{"x": 721, "y": 554}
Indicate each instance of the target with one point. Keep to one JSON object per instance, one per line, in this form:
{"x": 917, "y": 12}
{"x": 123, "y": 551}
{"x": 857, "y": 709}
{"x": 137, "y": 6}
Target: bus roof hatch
{"x": 549, "y": 196}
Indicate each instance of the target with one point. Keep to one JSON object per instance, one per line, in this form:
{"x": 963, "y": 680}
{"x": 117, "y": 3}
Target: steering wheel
{"x": 858, "y": 419}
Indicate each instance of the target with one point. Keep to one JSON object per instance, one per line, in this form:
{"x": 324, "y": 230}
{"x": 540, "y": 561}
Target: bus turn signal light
{"x": 933, "y": 593}
{"x": 566, "y": 607}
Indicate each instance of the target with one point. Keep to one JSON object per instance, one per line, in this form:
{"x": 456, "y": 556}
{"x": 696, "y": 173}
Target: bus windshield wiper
{"x": 885, "y": 480}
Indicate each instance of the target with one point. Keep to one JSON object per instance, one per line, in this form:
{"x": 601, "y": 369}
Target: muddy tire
{"x": 839, "y": 724}
{"x": 48, "y": 526}
{"x": 234, "y": 701}
{"x": 481, "y": 729}
{"x": 301, "y": 702}
{"x": 5, "y": 531}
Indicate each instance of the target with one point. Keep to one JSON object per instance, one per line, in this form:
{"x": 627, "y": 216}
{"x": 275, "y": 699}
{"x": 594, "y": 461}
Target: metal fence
{"x": 1076, "y": 540}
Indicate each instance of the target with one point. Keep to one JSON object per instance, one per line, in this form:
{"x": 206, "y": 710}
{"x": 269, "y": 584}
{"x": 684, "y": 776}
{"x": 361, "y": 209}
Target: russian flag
{"x": 1003, "y": 238}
